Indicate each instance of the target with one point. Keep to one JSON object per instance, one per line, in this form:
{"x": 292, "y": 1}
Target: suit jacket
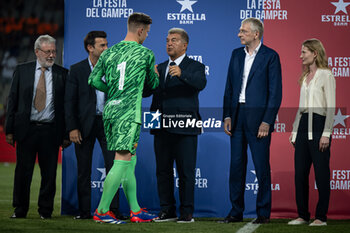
{"x": 179, "y": 95}
{"x": 80, "y": 99}
{"x": 21, "y": 96}
{"x": 263, "y": 91}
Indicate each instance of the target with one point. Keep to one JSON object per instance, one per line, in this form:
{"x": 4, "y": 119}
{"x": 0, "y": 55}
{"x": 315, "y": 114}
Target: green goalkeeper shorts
{"x": 122, "y": 135}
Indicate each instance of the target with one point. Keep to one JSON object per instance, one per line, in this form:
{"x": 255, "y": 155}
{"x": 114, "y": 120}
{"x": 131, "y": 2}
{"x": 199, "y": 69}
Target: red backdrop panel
{"x": 311, "y": 19}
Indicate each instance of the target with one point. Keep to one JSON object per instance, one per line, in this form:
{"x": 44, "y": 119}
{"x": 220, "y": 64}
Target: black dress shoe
{"x": 261, "y": 220}
{"x": 230, "y": 219}
{"x": 164, "y": 216}
{"x": 185, "y": 219}
{"x": 14, "y": 215}
{"x": 45, "y": 216}
{"x": 119, "y": 215}
{"x": 83, "y": 216}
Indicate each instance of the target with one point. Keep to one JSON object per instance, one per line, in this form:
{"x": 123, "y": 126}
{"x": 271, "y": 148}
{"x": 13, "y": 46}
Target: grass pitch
{"x": 61, "y": 224}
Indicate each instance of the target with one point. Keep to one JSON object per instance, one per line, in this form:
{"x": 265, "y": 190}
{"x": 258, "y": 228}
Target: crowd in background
{"x": 21, "y": 22}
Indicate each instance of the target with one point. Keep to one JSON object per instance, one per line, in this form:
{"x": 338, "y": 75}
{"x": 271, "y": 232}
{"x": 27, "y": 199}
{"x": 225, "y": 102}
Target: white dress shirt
{"x": 248, "y": 62}
{"x": 317, "y": 97}
{"x": 100, "y": 96}
{"x": 48, "y": 113}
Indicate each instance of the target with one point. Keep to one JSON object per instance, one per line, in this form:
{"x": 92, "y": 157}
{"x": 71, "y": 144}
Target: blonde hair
{"x": 315, "y": 46}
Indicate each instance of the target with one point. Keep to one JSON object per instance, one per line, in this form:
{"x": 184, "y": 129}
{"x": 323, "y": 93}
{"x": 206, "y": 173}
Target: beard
{"x": 47, "y": 62}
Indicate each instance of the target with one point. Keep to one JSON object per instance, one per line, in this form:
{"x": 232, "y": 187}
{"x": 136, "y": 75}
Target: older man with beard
{"x": 35, "y": 123}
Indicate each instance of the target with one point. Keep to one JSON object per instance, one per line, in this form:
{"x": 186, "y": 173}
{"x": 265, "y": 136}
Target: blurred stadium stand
{"x": 21, "y": 22}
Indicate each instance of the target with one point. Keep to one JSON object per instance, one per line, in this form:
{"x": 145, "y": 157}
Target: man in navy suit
{"x": 84, "y": 107}
{"x": 35, "y": 123}
{"x": 252, "y": 98}
{"x": 180, "y": 81}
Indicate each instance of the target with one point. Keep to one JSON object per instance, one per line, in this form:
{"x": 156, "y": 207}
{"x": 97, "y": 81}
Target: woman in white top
{"x": 312, "y": 130}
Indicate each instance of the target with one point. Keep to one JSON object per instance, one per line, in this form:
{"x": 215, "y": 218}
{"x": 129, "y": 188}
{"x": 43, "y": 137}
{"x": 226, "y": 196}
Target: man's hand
{"x": 263, "y": 130}
{"x": 9, "y": 139}
{"x": 324, "y": 143}
{"x": 175, "y": 71}
{"x": 75, "y": 136}
{"x": 66, "y": 143}
{"x": 227, "y": 126}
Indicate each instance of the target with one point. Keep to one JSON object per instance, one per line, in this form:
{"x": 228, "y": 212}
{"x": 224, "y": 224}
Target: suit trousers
{"x": 260, "y": 150}
{"x": 306, "y": 153}
{"x": 181, "y": 149}
{"x": 41, "y": 140}
{"x": 84, "y": 153}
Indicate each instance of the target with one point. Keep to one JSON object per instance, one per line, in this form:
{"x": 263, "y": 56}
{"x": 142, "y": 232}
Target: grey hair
{"x": 43, "y": 39}
{"x": 256, "y": 25}
{"x": 181, "y": 32}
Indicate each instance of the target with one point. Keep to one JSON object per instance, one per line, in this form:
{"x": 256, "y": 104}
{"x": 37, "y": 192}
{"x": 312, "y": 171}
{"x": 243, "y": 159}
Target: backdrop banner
{"x": 213, "y": 27}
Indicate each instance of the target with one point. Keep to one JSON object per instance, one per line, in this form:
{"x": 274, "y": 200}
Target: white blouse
{"x": 317, "y": 97}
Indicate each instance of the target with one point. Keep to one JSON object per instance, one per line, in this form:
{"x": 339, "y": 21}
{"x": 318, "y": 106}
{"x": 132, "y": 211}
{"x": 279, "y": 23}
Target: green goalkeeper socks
{"x": 129, "y": 186}
{"x": 112, "y": 183}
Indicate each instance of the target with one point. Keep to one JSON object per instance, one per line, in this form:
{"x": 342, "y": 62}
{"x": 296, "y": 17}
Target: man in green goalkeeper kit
{"x": 127, "y": 67}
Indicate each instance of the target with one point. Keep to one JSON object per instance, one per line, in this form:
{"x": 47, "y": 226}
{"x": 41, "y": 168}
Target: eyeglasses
{"x": 48, "y": 52}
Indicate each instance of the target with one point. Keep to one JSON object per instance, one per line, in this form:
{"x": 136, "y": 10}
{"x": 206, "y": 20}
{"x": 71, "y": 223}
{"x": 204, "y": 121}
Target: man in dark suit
{"x": 83, "y": 112}
{"x": 252, "y": 98}
{"x": 181, "y": 80}
{"x": 35, "y": 123}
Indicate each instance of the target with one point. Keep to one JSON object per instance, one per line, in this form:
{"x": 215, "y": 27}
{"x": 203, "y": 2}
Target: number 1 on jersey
{"x": 121, "y": 67}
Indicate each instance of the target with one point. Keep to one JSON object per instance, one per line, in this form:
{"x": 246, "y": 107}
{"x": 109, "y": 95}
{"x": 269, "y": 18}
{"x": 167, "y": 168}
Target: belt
{"x": 40, "y": 123}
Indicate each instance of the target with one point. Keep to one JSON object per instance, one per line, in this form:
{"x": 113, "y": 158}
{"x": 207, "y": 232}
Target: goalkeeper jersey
{"x": 127, "y": 66}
